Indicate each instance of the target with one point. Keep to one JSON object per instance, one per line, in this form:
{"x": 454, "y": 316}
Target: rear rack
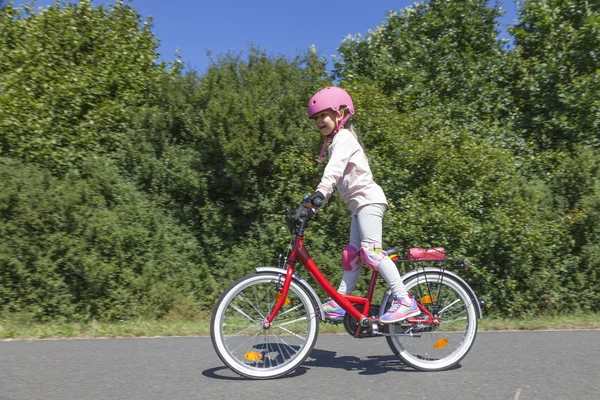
{"x": 456, "y": 262}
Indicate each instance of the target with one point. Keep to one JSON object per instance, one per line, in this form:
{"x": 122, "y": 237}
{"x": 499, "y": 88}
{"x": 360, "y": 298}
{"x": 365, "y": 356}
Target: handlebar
{"x": 298, "y": 220}
{"x": 303, "y": 213}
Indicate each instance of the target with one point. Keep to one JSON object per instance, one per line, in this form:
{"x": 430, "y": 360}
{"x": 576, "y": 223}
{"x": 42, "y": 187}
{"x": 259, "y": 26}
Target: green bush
{"x": 91, "y": 246}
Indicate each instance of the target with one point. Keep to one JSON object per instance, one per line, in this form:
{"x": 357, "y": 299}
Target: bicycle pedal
{"x": 375, "y": 329}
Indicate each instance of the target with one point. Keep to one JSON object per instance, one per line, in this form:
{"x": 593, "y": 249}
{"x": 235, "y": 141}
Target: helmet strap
{"x": 320, "y": 159}
{"x": 329, "y": 137}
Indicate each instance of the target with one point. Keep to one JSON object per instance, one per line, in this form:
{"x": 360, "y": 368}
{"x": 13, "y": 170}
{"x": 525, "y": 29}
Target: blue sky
{"x": 280, "y": 27}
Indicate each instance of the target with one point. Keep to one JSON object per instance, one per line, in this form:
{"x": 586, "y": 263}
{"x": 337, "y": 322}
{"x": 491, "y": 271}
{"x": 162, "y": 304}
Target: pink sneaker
{"x": 333, "y": 311}
{"x": 401, "y": 308}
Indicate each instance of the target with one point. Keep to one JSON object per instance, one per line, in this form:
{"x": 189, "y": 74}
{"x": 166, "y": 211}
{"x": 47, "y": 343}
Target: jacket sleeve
{"x": 339, "y": 155}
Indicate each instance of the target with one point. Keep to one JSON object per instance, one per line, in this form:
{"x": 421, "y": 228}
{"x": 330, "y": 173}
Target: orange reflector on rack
{"x": 287, "y": 300}
{"x": 428, "y": 299}
{"x": 440, "y": 344}
{"x": 253, "y": 356}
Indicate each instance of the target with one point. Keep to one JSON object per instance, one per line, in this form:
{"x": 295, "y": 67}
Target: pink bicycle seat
{"x": 432, "y": 253}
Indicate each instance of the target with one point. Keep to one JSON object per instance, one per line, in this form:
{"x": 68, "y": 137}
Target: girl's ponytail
{"x": 348, "y": 125}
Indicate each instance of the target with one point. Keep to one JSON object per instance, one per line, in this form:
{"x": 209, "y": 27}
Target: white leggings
{"x": 366, "y": 226}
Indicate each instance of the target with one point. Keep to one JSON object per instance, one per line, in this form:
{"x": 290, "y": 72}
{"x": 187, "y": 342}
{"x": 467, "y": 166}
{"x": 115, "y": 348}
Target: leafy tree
{"x": 431, "y": 53}
{"x": 557, "y": 82}
{"x": 71, "y": 76}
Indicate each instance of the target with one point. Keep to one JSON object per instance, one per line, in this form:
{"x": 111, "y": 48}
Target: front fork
{"x": 289, "y": 273}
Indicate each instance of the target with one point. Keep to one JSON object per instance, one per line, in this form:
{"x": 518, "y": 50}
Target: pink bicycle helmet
{"x": 329, "y": 97}
{"x": 333, "y": 98}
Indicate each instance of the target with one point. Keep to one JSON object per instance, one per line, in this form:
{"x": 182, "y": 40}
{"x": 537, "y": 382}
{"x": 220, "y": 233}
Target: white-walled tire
{"x": 442, "y": 347}
{"x": 238, "y": 335}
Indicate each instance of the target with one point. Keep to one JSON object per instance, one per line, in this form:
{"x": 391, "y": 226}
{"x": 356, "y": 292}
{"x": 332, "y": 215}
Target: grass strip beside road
{"x": 18, "y": 327}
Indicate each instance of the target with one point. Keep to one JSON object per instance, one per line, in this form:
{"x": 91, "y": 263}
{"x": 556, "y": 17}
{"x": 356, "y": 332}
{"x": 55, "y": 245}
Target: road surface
{"x": 501, "y": 365}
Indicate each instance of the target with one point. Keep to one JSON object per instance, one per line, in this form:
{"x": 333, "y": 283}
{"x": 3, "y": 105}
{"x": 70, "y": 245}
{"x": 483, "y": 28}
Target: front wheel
{"x": 238, "y": 335}
{"x": 430, "y": 347}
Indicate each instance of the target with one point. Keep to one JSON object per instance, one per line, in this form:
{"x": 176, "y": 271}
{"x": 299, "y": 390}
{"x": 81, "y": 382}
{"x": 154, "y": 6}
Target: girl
{"x": 348, "y": 170}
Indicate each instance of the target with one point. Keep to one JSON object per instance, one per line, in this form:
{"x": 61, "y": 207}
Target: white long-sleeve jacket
{"x": 348, "y": 170}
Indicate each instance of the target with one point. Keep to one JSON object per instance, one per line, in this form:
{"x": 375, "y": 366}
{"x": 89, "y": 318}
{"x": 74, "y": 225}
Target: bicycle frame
{"x": 300, "y": 253}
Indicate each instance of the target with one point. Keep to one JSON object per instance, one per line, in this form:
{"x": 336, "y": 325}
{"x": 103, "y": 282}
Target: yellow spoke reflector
{"x": 287, "y": 300}
{"x": 428, "y": 299}
{"x": 440, "y": 344}
{"x": 253, "y": 356}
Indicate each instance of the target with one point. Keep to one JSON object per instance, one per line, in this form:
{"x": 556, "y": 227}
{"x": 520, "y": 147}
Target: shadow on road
{"x": 372, "y": 365}
{"x": 225, "y": 373}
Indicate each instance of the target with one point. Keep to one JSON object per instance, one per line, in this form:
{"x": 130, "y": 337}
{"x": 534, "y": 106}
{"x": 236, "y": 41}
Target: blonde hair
{"x": 348, "y": 125}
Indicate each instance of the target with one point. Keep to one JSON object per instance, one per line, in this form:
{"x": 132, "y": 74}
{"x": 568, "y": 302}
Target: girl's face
{"x": 326, "y": 121}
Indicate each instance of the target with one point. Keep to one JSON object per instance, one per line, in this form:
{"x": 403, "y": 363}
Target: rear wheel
{"x": 238, "y": 335}
{"x": 429, "y": 347}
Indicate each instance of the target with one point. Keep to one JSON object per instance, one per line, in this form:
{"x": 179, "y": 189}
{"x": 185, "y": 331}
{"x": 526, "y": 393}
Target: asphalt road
{"x": 501, "y": 365}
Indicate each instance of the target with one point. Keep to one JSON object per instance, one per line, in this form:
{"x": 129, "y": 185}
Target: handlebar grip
{"x": 318, "y": 202}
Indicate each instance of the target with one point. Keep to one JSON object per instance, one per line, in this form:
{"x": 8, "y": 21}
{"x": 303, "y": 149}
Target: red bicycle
{"x": 266, "y": 323}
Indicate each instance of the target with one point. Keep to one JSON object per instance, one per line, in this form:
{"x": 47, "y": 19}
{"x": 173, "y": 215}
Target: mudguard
{"x": 409, "y": 275}
{"x": 299, "y": 281}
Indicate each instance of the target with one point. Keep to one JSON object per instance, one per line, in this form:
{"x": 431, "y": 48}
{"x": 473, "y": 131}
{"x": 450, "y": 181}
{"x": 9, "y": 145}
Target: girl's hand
{"x": 315, "y": 200}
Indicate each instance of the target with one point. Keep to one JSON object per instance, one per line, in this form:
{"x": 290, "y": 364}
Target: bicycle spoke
{"x": 244, "y": 314}
{"x": 243, "y": 296}
{"x": 283, "y": 341}
{"x": 292, "y": 321}
{"x": 280, "y": 326}
{"x": 449, "y": 305}
{"x": 447, "y": 321}
{"x": 243, "y": 343}
{"x": 291, "y": 309}
{"x": 238, "y": 333}
{"x": 454, "y": 311}
{"x": 258, "y": 302}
